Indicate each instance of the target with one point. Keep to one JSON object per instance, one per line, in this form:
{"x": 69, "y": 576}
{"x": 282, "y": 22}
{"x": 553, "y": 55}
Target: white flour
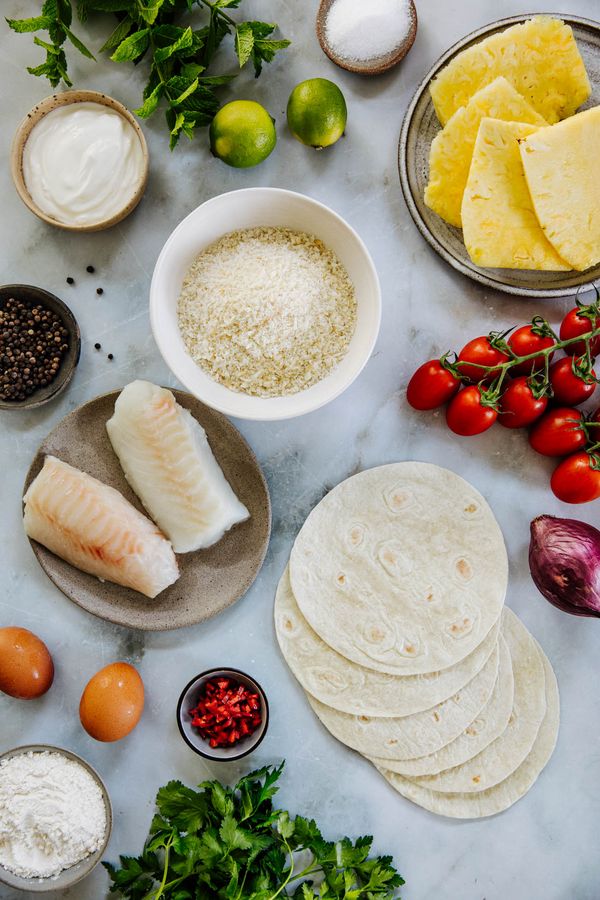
{"x": 52, "y": 814}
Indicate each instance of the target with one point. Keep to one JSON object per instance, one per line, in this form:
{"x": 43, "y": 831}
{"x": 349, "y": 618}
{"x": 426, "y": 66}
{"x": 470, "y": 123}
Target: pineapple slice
{"x": 499, "y": 225}
{"x": 562, "y": 168}
{"x": 452, "y": 149}
{"x": 540, "y": 59}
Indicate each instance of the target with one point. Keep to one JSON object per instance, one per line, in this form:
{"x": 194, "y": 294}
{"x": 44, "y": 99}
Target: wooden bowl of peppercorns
{"x": 40, "y": 346}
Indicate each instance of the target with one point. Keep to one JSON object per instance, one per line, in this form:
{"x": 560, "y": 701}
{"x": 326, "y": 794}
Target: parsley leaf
{"x": 222, "y": 843}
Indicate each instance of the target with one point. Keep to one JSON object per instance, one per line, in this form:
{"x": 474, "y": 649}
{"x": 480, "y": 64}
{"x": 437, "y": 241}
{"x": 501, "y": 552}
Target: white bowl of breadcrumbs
{"x": 265, "y": 304}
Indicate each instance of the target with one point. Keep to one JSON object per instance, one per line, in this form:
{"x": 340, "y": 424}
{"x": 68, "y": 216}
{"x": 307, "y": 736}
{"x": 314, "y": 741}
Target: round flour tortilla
{"x": 507, "y": 752}
{"x": 350, "y": 688}
{"x": 416, "y": 735}
{"x": 401, "y": 569}
{"x": 489, "y": 724}
{"x": 502, "y": 795}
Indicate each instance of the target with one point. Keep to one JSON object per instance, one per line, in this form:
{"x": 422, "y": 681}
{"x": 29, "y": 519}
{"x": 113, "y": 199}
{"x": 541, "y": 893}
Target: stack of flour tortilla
{"x": 391, "y": 616}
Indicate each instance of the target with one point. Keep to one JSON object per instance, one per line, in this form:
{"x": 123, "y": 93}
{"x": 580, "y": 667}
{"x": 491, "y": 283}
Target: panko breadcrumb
{"x": 267, "y": 311}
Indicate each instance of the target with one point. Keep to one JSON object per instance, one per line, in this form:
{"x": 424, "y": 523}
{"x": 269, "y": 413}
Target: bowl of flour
{"x": 55, "y": 818}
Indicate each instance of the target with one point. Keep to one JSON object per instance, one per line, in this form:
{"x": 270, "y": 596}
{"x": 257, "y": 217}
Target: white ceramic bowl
{"x": 250, "y": 208}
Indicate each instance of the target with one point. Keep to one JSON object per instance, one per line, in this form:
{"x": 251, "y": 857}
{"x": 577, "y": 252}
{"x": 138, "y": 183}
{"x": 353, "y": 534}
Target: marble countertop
{"x": 546, "y": 845}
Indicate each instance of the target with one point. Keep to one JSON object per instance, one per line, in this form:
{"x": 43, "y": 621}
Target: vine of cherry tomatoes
{"x": 514, "y": 379}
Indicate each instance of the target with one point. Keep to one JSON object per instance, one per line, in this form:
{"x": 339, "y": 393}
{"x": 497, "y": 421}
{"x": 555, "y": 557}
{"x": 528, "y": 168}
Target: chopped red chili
{"x": 227, "y": 712}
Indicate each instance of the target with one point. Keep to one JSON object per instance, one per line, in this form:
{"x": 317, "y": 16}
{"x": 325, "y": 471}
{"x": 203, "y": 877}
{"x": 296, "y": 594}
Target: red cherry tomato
{"x": 480, "y": 351}
{"x": 518, "y": 406}
{"x": 466, "y": 414}
{"x": 558, "y": 432}
{"x": 572, "y": 326}
{"x": 568, "y": 388}
{"x": 524, "y": 341}
{"x": 431, "y": 386}
{"x": 575, "y": 481}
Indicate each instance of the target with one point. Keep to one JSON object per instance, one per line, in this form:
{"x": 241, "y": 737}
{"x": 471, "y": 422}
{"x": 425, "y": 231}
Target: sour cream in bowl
{"x": 80, "y": 161}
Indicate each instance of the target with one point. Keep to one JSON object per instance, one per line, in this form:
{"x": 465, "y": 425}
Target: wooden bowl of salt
{"x": 366, "y": 38}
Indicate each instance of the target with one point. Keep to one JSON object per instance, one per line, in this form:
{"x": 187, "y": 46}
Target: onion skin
{"x": 564, "y": 560}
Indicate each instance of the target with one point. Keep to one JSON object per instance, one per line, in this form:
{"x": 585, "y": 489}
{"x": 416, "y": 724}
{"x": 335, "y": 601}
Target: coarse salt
{"x": 361, "y": 30}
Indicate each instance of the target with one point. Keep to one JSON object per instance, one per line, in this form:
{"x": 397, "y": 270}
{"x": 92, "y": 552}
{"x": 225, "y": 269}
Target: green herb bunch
{"x": 164, "y": 33}
{"x": 223, "y": 843}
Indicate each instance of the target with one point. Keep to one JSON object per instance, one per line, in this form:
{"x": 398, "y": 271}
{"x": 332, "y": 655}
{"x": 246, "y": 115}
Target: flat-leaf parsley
{"x": 222, "y": 843}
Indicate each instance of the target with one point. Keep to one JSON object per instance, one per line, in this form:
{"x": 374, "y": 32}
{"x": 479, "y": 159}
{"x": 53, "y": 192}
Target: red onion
{"x": 564, "y": 560}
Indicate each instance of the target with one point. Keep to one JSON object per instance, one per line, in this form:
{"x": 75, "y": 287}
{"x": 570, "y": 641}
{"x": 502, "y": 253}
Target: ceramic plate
{"x": 419, "y": 128}
{"x": 210, "y": 579}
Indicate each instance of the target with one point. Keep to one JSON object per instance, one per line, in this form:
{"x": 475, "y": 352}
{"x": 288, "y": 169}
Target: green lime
{"x": 242, "y": 134}
{"x": 316, "y": 112}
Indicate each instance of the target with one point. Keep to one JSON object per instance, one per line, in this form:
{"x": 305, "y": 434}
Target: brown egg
{"x": 26, "y": 667}
{"x": 112, "y": 702}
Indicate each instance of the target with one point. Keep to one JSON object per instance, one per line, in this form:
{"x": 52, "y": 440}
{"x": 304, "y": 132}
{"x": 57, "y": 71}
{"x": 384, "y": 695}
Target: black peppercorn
{"x": 90, "y": 269}
{"x": 99, "y": 290}
{"x": 70, "y": 280}
{"x": 33, "y": 343}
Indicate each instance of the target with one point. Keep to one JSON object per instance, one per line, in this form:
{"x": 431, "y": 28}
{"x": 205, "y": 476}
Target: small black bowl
{"x": 189, "y": 699}
{"x": 30, "y": 294}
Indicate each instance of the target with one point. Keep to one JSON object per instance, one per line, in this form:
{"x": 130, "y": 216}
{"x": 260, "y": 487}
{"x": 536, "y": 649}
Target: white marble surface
{"x": 545, "y": 846}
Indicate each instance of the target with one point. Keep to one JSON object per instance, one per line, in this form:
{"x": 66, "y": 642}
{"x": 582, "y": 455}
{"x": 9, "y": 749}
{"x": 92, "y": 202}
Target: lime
{"x": 316, "y": 112}
{"x": 242, "y": 134}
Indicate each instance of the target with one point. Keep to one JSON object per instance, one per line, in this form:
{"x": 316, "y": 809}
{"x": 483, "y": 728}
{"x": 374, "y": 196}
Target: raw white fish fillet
{"x": 168, "y": 462}
{"x": 93, "y": 527}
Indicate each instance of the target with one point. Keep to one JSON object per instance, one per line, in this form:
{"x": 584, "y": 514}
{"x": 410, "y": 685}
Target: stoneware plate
{"x": 210, "y": 579}
{"x": 76, "y": 873}
{"x": 419, "y": 128}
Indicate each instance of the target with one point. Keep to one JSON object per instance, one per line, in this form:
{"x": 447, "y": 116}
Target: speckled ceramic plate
{"x": 419, "y": 128}
{"x": 210, "y": 579}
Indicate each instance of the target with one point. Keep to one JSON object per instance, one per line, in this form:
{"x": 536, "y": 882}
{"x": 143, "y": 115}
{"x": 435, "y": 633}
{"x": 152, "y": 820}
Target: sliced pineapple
{"x": 499, "y": 225}
{"x": 540, "y": 59}
{"x": 562, "y": 168}
{"x": 452, "y": 149}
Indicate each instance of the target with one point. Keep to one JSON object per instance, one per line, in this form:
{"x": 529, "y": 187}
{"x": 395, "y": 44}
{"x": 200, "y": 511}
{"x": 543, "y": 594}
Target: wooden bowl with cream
{"x": 62, "y": 178}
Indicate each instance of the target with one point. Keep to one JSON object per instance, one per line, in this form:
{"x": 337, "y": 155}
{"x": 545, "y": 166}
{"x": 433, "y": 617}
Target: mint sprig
{"x": 167, "y": 37}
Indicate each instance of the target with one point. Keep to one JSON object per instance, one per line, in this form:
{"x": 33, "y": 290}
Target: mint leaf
{"x": 175, "y": 84}
{"x": 38, "y": 23}
{"x": 244, "y": 42}
{"x": 150, "y": 103}
{"x": 184, "y": 41}
{"x": 78, "y": 44}
{"x": 133, "y": 46}
{"x": 148, "y": 10}
{"x": 117, "y": 35}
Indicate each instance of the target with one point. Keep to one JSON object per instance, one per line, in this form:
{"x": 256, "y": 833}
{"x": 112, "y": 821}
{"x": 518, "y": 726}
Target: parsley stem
{"x": 290, "y": 871}
{"x": 163, "y": 883}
